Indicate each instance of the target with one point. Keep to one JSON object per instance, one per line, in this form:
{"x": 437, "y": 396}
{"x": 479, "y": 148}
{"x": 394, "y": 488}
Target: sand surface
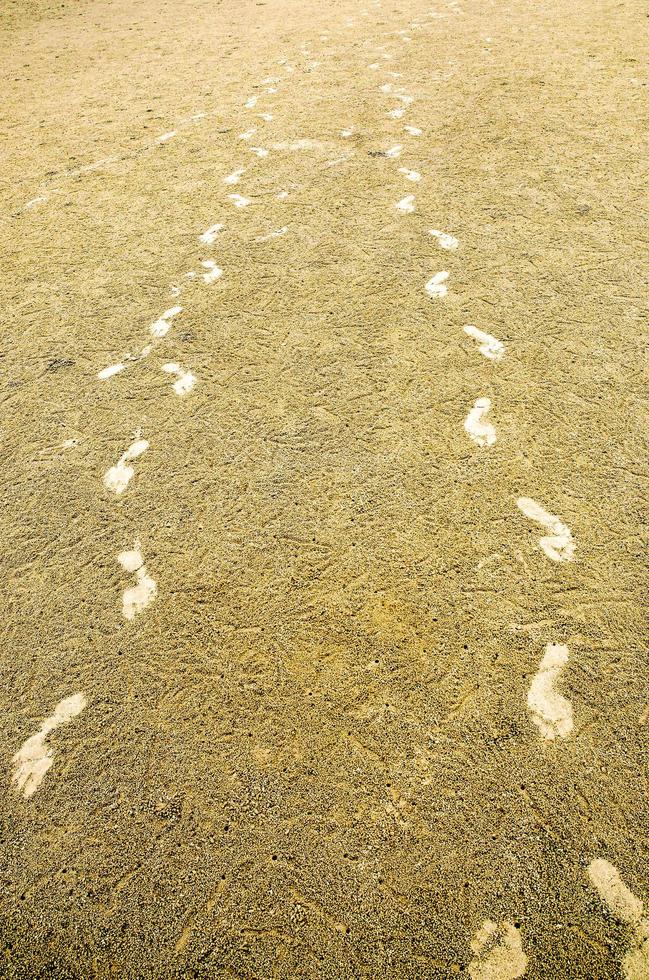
{"x": 324, "y": 490}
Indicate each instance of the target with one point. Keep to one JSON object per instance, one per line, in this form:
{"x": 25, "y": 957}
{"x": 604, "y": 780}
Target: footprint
{"x": 559, "y": 545}
{"x": 436, "y": 287}
{"x": 498, "y": 952}
{"x": 346, "y": 132}
{"x": 259, "y": 151}
{"x": 444, "y": 240}
{"x": 550, "y": 711}
{"x": 118, "y": 477}
{"x": 213, "y": 272}
{"x": 251, "y": 103}
{"x": 161, "y": 327}
{"x": 397, "y": 112}
{"x": 404, "y": 99}
{"x": 138, "y": 597}
{"x": 624, "y": 905}
{"x": 239, "y": 201}
{"x": 234, "y": 178}
{"x": 186, "y": 379}
{"x": 209, "y": 236}
{"x": 248, "y": 134}
{"x": 108, "y": 372}
{"x": 266, "y": 116}
{"x": 489, "y": 346}
{"x": 406, "y": 204}
{"x": 414, "y": 130}
{"x": 167, "y": 136}
{"x": 410, "y": 174}
{"x": 481, "y": 432}
{"x": 33, "y": 759}
{"x": 394, "y": 152}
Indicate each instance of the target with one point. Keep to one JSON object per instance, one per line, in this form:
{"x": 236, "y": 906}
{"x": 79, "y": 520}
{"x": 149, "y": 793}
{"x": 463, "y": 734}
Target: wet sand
{"x": 324, "y": 428}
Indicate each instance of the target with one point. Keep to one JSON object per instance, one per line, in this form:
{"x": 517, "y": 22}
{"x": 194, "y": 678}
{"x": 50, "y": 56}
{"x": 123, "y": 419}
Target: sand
{"x": 304, "y": 624}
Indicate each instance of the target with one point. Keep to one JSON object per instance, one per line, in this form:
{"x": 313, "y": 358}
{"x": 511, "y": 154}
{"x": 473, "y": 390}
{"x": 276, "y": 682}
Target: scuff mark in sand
{"x": 301, "y": 144}
{"x": 186, "y": 379}
{"x": 550, "y": 711}
{"x": 138, "y": 597}
{"x": 559, "y": 546}
{"x": 251, "y": 102}
{"x": 161, "y": 327}
{"x": 167, "y": 136}
{"x": 436, "y": 287}
{"x": 626, "y": 907}
{"x": 209, "y": 237}
{"x": 406, "y": 204}
{"x": 483, "y": 433}
{"x": 213, "y": 272}
{"x": 395, "y": 151}
{"x": 118, "y": 477}
{"x": 490, "y": 347}
{"x": 273, "y": 234}
{"x": 34, "y": 759}
{"x": 248, "y": 134}
{"x": 259, "y": 151}
{"x": 397, "y": 113}
{"x": 412, "y": 175}
{"x": 498, "y": 953}
{"x": 444, "y": 240}
{"x": 414, "y": 130}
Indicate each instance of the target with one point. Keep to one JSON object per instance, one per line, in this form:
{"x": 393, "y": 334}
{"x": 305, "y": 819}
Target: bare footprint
{"x": 482, "y": 433}
{"x": 626, "y": 907}
{"x": 213, "y": 272}
{"x": 413, "y": 175}
{"x": 118, "y": 477}
{"x": 138, "y": 597}
{"x": 209, "y": 236}
{"x": 34, "y": 759}
{"x": 559, "y": 546}
{"x": 489, "y": 347}
{"x": 498, "y": 952}
{"x": 436, "y": 287}
{"x": 406, "y": 205}
{"x": 235, "y": 176}
{"x": 239, "y": 200}
{"x": 549, "y": 710}
{"x": 185, "y": 379}
{"x": 444, "y": 240}
{"x": 161, "y": 327}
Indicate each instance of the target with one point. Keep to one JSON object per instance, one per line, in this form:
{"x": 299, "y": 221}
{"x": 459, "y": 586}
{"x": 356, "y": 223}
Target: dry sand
{"x": 325, "y": 742}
